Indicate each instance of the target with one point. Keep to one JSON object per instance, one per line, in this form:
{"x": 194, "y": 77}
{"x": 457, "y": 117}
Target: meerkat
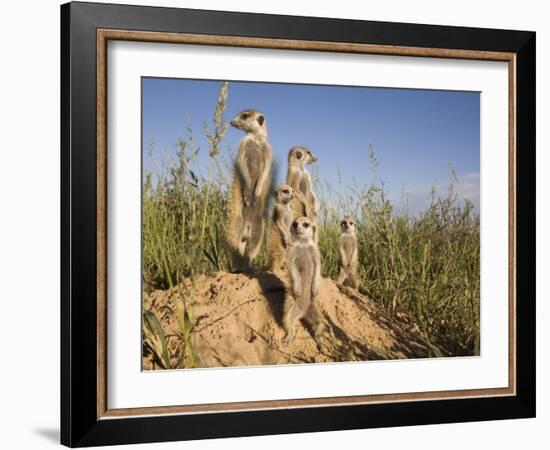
{"x": 279, "y": 238}
{"x": 249, "y": 189}
{"x": 304, "y": 268}
{"x": 347, "y": 249}
{"x": 305, "y": 203}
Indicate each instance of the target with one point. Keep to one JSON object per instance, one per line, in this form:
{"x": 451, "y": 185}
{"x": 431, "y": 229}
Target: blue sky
{"x": 416, "y": 133}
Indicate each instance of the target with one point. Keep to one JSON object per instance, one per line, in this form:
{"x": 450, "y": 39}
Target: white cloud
{"x": 468, "y": 188}
{"x": 417, "y": 199}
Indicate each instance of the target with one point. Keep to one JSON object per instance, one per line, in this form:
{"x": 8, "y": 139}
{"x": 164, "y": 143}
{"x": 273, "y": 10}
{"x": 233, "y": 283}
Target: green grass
{"x": 422, "y": 268}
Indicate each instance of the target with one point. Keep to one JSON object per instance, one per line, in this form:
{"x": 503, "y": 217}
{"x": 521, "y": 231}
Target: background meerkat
{"x": 305, "y": 203}
{"x": 279, "y": 238}
{"x": 347, "y": 249}
{"x": 249, "y": 190}
{"x": 304, "y": 268}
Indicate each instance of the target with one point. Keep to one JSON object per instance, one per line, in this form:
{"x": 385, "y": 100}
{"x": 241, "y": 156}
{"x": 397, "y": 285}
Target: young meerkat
{"x": 249, "y": 189}
{"x": 347, "y": 249}
{"x": 279, "y": 238}
{"x": 304, "y": 268}
{"x": 305, "y": 203}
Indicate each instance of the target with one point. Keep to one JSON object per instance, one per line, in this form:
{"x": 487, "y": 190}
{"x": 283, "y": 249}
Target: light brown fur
{"x": 305, "y": 203}
{"x": 347, "y": 250}
{"x": 249, "y": 190}
{"x": 304, "y": 269}
{"x": 279, "y": 237}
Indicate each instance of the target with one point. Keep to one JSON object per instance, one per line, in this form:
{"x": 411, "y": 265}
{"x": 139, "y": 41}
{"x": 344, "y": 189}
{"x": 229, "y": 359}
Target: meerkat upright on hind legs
{"x": 305, "y": 203}
{"x": 279, "y": 237}
{"x": 347, "y": 249}
{"x": 304, "y": 269}
{"x": 249, "y": 190}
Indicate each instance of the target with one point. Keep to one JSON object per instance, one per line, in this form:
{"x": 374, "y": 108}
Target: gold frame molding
{"x": 104, "y": 35}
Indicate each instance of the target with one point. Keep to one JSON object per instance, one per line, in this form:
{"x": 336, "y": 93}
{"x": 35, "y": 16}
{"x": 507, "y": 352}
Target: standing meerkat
{"x": 249, "y": 190}
{"x": 305, "y": 203}
{"x": 304, "y": 267}
{"x": 279, "y": 238}
{"x": 347, "y": 249}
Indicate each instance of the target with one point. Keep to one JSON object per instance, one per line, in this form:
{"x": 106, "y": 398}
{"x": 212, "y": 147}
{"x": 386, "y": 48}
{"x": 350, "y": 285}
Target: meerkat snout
{"x": 347, "y": 225}
{"x": 301, "y": 155}
{"x": 302, "y": 228}
{"x": 284, "y": 194}
{"x": 249, "y": 120}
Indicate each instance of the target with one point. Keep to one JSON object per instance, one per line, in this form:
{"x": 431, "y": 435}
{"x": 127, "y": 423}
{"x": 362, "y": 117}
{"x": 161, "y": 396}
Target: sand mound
{"x": 236, "y": 319}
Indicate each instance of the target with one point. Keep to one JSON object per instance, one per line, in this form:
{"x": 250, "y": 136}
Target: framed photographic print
{"x": 276, "y": 224}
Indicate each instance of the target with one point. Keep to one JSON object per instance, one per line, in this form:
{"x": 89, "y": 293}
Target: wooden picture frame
{"x": 85, "y": 416}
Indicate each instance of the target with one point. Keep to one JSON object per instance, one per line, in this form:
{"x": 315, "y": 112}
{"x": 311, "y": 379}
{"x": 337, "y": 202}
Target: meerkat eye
{"x": 261, "y": 120}
{"x": 299, "y": 155}
{"x": 306, "y": 225}
{"x": 285, "y": 191}
{"x": 244, "y": 116}
{"x": 295, "y": 225}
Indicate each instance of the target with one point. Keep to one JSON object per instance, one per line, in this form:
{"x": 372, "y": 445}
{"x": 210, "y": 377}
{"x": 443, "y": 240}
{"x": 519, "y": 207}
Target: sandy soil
{"x": 236, "y": 319}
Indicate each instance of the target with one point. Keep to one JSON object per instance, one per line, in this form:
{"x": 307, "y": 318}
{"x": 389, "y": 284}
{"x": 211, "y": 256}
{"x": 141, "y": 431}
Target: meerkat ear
{"x": 261, "y": 120}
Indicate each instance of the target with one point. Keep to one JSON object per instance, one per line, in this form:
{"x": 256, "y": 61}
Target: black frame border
{"x": 79, "y": 423}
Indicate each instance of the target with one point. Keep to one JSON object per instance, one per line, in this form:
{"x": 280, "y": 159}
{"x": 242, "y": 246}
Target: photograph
{"x": 286, "y": 222}
{"x": 295, "y": 223}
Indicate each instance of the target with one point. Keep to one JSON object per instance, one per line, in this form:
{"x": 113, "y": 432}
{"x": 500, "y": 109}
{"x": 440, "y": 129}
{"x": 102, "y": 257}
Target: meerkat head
{"x": 347, "y": 225}
{"x": 284, "y": 193}
{"x": 250, "y": 121}
{"x": 302, "y": 229}
{"x": 300, "y": 156}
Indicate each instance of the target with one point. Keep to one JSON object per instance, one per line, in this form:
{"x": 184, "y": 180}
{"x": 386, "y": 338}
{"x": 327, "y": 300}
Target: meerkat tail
{"x": 354, "y": 280}
{"x": 342, "y": 277}
{"x": 291, "y": 319}
{"x": 315, "y": 319}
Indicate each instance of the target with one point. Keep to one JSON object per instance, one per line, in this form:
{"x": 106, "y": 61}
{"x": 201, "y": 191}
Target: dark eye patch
{"x": 245, "y": 116}
{"x": 306, "y": 225}
{"x": 299, "y": 155}
{"x": 285, "y": 191}
{"x": 295, "y": 225}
